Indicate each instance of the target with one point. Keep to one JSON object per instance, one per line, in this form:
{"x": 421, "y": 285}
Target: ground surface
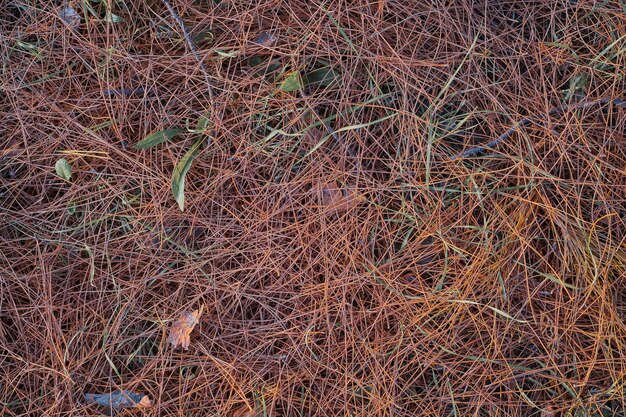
{"x": 347, "y": 264}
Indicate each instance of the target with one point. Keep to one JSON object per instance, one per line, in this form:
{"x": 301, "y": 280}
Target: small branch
{"x": 196, "y": 55}
{"x": 523, "y": 122}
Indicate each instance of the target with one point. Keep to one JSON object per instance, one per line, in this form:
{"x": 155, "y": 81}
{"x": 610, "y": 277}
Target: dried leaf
{"x": 338, "y": 198}
{"x": 265, "y": 39}
{"x": 182, "y": 328}
{"x": 70, "y": 16}
{"x": 230, "y": 54}
{"x": 144, "y": 402}
{"x": 119, "y": 399}
{"x": 243, "y": 411}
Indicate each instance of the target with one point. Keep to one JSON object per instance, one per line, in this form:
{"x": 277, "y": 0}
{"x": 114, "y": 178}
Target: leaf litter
{"x": 70, "y": 16}
{"x": 181, "y": 329}
{"x": 338, "y": 198}
{"x": 243, "y": 411}
{"x": 119, "y": 399}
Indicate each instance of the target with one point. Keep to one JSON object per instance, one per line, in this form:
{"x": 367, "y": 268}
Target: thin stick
{"x": 196, "y": 55}
{"x": 523, "y": 122}
{"x": 191, "y": 46}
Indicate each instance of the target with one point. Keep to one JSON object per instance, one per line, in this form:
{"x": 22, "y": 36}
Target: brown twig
{"x": 526, "y": 120}
{"x": 212, "y": 95}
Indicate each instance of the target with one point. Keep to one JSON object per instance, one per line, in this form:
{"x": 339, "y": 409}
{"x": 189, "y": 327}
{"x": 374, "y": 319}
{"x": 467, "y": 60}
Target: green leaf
{"x": 113, "y": 18}
{"x": 254, "y": 61}
{"x": 161, "y": 136}
{"x": 180, "y": 172}
{"x": 203, "y": 123}
{"x": 230, "y": 54}
{"x": 495, "y": 310}
{"x": 71, "y": 208}
{"x": 322, "y": 76}
{"x": 556, "y": 280}
{"x": 28, "y": 46}
{"x": 551, "y": 277}
{"x": 292, "y": 83}
{"x": 36, "y": 51}
{"x": 63, "y": 169}
{"x": 205, "y": 36}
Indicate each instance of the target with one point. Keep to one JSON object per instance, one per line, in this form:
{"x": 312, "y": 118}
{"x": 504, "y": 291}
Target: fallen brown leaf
{"x": 338, "y": 198}
{"x": 181, "y": 329}
{"x": 243, "y": 411}
{"x": 144, "y": 402}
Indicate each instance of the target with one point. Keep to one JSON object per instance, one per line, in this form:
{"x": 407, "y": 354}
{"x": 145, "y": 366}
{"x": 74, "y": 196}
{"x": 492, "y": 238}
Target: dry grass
{"x": 425, "y": 286}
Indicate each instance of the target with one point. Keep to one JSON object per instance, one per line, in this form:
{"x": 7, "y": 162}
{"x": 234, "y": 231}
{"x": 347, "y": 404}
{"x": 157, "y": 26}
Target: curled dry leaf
{"x": 144, "y": 402}
{"x": 182, "y": 328}
{"x": 119, "y": 399}
{"x": 338, "y": 198}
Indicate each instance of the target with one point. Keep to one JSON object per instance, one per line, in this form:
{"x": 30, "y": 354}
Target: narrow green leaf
{"x": 63, "y": 169}
{"x": 161, "y": 136}
{"x": 343, "y": 129}
{"x": 292, "y": 83}
{"x": 28, "y": 46}
{"x": 230, "y": 54}
{"x": 180, "y": 172}
{"x": 34, "y": 50}
{"x": 495, "y": 310}
{"x": 322, "y": 76}
{"x": 113, "y": 18}
{"x": 556, "y": 280}
{"x": 551, "y": 277}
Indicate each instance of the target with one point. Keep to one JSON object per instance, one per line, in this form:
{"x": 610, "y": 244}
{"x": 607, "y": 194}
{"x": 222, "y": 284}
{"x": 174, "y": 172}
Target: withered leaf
{"x": 119, "y": 399}
{"x": 265, "y": 39}
{"x": 70, "y": 16}
{"x": 338, "y": 198}
{"x": 243, "y": 411}
{"x": 181, "y": 329}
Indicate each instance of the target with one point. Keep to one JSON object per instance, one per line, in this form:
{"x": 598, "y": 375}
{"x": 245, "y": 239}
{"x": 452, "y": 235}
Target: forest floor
{"x": 301, "y": 175}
